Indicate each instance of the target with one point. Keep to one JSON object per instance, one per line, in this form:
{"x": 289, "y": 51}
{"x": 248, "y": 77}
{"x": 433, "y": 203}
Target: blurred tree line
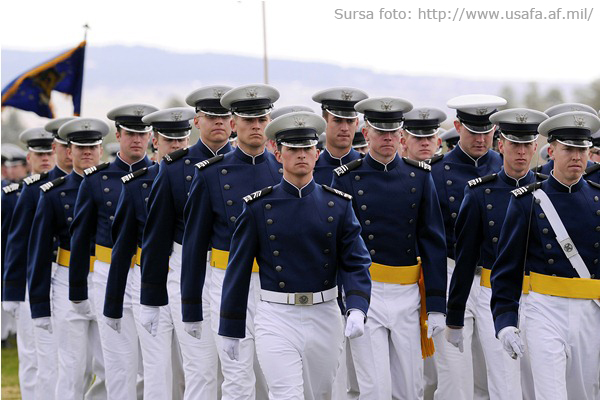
{"x": 535, "y": 99}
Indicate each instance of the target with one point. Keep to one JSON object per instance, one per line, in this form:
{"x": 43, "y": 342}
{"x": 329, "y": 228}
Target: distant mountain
{"x": 119, "y": 74}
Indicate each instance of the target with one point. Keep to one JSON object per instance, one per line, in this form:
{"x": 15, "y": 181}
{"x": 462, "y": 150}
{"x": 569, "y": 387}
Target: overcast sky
{"x": 512, "y": 50}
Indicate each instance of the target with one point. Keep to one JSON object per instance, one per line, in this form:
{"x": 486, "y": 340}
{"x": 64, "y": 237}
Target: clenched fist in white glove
{"x": 454, "y": 336}
{"x": 44, "y": 323}
{"x": 355, "y": 324}
{"x": 114, "y": 323}
{"x": 231, "y": 347}
{"x": 511, "y": 341}
{"x": 149, "y": 318}
{"x": 193, "y": 328}
{"x": 436, "y": 323}
{"x": 11, "y": 307}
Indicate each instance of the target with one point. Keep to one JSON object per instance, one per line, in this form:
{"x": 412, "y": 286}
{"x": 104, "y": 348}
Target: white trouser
{"x": 429, "y": 377}
{"x": 526, "y": 374}
{"x": 298, "y": 348}
{"x": 391, "y": 345}
{"x": 78, "y": 341}
{"x": 345, "y": 386}
{"x": 120, "y": 350}
{"x": 47, "y": 362}
{"x": 243, "y": 378}
{"x": 503, "y": 373}
{"x": 28, "y": 362}
{"x": 455, "y": 370}
{"x": 156, "y": 350}
{"x": 563, "y": 338}
{"x": 199, "y": 356}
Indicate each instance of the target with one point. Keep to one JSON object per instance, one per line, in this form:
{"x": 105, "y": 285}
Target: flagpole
{"x": 86, "y": 27}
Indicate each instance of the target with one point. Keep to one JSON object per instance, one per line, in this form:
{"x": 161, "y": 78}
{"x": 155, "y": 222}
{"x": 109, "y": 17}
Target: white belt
{"x": 299, "y": 299}
{"x": 177, "y": 248}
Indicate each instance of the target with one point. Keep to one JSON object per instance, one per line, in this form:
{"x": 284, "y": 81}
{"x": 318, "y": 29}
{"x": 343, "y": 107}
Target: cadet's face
{"x": 166, "y": 146}
{"x": 297, "y": 161}
{"x": 420, "y": 148}
{"x": 340, "y": 131}
{"x": 132, "y": 145}
{"x": 17, "y": 172}
{"x": 213, "y": 129}
{"x": 595, "y": 154}
{"x": 474, "y": 144}
{"x": 251, "y": 131}
{"x": 517, "y": 156}
{"x": 85, "y": 156}
{"x": 41, "y": 162}
{"x": 62, "y": 158}
{"x": 383, "y": 145}
{"x": 569, "y": 162}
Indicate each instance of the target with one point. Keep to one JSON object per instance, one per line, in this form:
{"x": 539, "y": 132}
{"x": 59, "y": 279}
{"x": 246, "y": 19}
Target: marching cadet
{"x": 277, "y": 112}
{"x": 450, "y": 137}
{"x": 214, "y": 204}
{"x": 471, "y": 158}
{"x": 544, "y": 155}
{"x": 77, "y": 335}
{"x": 592, "y": 171}
{"x": 298, "y": 324}
{"x": 359, "y": 143}
{"x": 477, "y": 230}
{"x": 420, "y": 133}
{"x": 171, "y": 133}
{"x": 391, "y": 344}
{"x": 16, "y": 163}
{"x": 342, "y": 121}
{"x": 559, "y": 221}
{"x": 163, "y": 236}
{"x": 595, "y": 149}
{"x": 31, "y": 349}
{"x": 94, "y": 213}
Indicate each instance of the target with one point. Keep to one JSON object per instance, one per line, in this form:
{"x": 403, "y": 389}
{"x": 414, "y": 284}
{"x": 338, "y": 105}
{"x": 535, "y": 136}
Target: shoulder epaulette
{"x": 52, "y": 184}
{"x": 92, "y": 170}
{"x": 419, "y": 164}
{"x": 541, "y": 177}
{"x": 337, "y": 192}
{"x": 434, "y": 159}
{"x": 592, "y": 169}
{"x": 210, "y": 161}
{"x": 339, "y": 171}
{"x": 176, "y": 155}
{"x": 518, "y": 192}
{"x": 133, "y": 175}
{"x": 35, "y": 178}
{"x": 537, "y": 169}
{"x": 483, "y": 179}
{"x": 594, "y": 184}
{"x": 259, "y": 193}
{"x": 13, "y": 187}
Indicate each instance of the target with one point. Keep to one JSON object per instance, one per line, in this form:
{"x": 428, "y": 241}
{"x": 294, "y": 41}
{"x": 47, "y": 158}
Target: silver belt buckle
{"x": 568, "y": 247}
{"x": 303, "y": 299}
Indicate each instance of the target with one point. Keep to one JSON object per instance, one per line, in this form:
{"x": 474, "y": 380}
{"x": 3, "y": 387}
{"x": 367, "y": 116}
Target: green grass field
{"x": 10, "y": 372}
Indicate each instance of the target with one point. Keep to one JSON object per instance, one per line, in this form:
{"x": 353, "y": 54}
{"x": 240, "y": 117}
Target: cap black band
{"x": 474, "y": 119}
{"x": 40, "y": 142}
{"x": 251, "y": 105}
{"x": 570, "y": 134}
{"x": 297, "y": 135}
{"x": 84, "y": 136}
{"x": 508, "y": 127}
{"x": 211, "y": 105}
{"x": 378, "y": 116}
{"x": 421, "y": 123}
{"x": 342, "y": 105}
{"x": 172, "y": 126}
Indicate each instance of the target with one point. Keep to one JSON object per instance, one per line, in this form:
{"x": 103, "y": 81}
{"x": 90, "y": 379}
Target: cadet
{"x": 592, "y": 171}
{"x": 171, "y": 133}
{"x": 94, "y": 214}
{"x": 359, "y": 143}
{"x": 420, "y": 132}
{"x": 342, "y": 121}
{"x": 16, "y": 164}
{"x": 390, "y": 345}
{"x": 277, "y": 112}
{"x": 163, "y": 236}
{"x": 298, "y": 325}
{"x": 477, "y": 230}
{"x": 553, "y": 229}
{"x": 214, "y": 204}
{"x": 471, "y": 158}
{"x": 450, "y": 137}
{"x": 77, "y": 335}
{"x": 32, "y": 349}
{"x": 595, "y": 149}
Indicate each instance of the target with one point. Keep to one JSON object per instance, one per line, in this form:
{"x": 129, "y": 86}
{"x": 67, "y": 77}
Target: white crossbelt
{"x": 299, "y": 299}
{"x": 566, "y": 244}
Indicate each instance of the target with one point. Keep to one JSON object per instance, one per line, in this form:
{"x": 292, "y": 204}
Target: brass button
{"x": 596, "y": 245}
{"x": 187, "y": 161}
{"x": 326, "y": 251}
{"x": 281, "y": 170}
{"x": 412, "y": 174}
{"x": 537, "y": 201}
{"x": 109, "y": 203}
{"x": 329, "y": 219}
{"x": 371, "y": 237}
{"x": 276, "y": 253}
{"x": 595, "y": 198}
{"x": 357, "y": 177}
{"x": 488, "y": 191}
{"x": 495, "y": 239}
{"x": 104, "y": 177}
{"x": 232, "y": 219}
{"x": 224, "y": 171}
{"x": 188, "y": 178}
{"x": 453, "y": 215}
{"x": 372, "y": 252}
{"x": 146, "y": 199}
{"x": 367, "y": 222}
{"x": 409, "y": 236}
{"x": 278, "y": 268}
{"x": 551, "y": 261}
{"x": 598, "y": 228}
{"x": 67, "y": 206}
{"x": 330, "y": 204}
{"x": 360, "y": 192}
{"x": 410, "y": 221}
{"x": 545, "y": 230}
{"x": 491, "y": 223}
{"x": 111, "y": 217}
{"x": 412, "y": 190}
{"x": 448, "y": 182}
{"x": 363, "y": 207}
{"x": 229, "y": 202}
{"x": 542, "y": 215}
{"x": 548, "y": 246}
{"x": 144, "y": 185}
{"x": 282, "y": 284}
{"x": 226, "y": 186}
{"x": 489, "y": 206}
{"x": 62, "y": 194}
{"x": 447, "y": 167}
{"x": 272, "y": 237}
{"x": 269, "y": 221}
{"x": 329, "y": 234}
{"x": 69, "y": 219}
{"x": 597, "y": 212}
{"x": 268, "y": 206}
{"x": 451, "y": 198}
{"x": 106, "y": 190}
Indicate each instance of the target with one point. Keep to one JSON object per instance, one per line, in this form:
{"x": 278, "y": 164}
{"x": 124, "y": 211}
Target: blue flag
{"x": 31, "y": 90}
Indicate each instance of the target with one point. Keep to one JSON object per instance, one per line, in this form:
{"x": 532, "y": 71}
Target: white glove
{"x": 454, "y": 336}
{"x": 44, "y": 323}
{"x": 231, "y": 347}
{"x": 193, "y": 328}
{"x": 509, "y": 336}
{"x": 82, "y": 308}
{"x": 114, "y": 323}
{"x": 436, "y": 323}
{"x": 11, "y": 307}
{"x": 149, "y": 318}
{"x": 355, "y": 324}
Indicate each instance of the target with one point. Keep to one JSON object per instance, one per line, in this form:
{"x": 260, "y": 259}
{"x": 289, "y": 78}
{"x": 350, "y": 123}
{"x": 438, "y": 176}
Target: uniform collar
{"x": 78, "y": 178}
{"x": 226, "y": 148}
{"x": 467, "y": 159}
{"x": 345, "y": 159}
{"x": 561, "y": 187}
{"x": 298, "y": 192}
{"x": 144, "y": 162}
{"x": 247, "y": 158}
{"x": 380, "y": 166}
{"x": 59, "y": 171}
{"x": 522, "y": 181}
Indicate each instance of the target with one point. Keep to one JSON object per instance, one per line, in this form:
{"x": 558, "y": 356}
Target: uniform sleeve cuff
{"x": 436, "y": 304}
{"x": 232, "y": 328}
{"x": 41, "y": 309}
{"x": 192, "y": 312}
{"x": 509, "y": 318}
